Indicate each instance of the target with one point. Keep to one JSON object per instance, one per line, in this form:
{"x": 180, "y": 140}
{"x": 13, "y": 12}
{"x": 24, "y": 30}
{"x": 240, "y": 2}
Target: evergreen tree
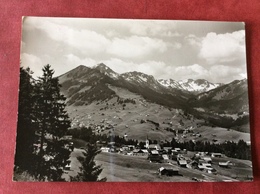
{"x": 89, "y": 170}
{"x": 53, "y": 123}
{"x": 24, "y": 157}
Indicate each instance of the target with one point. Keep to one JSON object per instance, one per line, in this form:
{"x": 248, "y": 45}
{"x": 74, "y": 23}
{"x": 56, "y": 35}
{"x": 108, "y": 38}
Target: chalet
{"x": 154, "y": 147}
{"x": 165, "y": 158}
{"x": 154, "y": 152}
{"x": 211, "y": 171}
{"x": 204, "y": 166}
{"x": 154, "y": 156}
{"x": 201, "y": 154}
{"x": 182, "y": 163}
{"x": 124, "y": 148}
{"x": 139, "y": 152}
{"x": 216, "y": 155}
{"x": 207, "y": 159}
{"x": 145, "y": 151}
{"x": 105, "y": 149}
{"x": 225, "y": 164}
{"x": 168, "y": 171}
{"x": 131, "y": 147}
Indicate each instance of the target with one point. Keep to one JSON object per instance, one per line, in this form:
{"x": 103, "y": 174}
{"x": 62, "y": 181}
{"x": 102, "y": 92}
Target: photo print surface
{"x": 123, "y": 100}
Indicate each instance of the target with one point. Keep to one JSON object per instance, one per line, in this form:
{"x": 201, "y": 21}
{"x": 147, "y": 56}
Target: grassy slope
{"x": 128, "y": 119}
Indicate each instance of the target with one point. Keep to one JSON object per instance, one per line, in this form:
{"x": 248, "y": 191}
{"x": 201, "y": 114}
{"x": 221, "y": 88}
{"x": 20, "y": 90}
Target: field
{"x": 125, "y": 168}
{"x": 128, "y": 120}
{"x": 143, "y": 119}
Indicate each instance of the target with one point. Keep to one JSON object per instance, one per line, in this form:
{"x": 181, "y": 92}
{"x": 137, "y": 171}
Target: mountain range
{"x": 83, "y": 86}
{"x": 190, "y": 85}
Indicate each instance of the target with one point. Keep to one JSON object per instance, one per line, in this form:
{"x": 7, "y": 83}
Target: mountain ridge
{"x": 84, "y": 81}
{"x": 223, "y": 106}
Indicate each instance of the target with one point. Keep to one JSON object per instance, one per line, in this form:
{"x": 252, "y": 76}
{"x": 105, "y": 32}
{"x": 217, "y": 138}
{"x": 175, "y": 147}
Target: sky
{"x": 166, "y": 49}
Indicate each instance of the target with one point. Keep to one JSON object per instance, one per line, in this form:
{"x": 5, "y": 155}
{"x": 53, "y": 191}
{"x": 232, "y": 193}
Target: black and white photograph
{"x": 128, "y": 100}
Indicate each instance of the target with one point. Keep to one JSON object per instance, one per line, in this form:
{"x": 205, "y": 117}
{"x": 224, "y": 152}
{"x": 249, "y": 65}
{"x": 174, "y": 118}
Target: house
{"x": 201, "y": 154}
{"x": 168, "y": 171}
{"x": 207, "y": 159}
{"x": 124, "y": 148}
{"x": 131, "y": 147}
{"x": 182, "y": 163}
{"x": 105, "y": 149}
{"x": 205, "y": 166}
{"x": 165, "y": 157}
{"x": 154, "y": 152}
{"x": 139, "y": 152}
{"x": 145, "y": 151}
{"x": 225, "y": 164}
{"x": 211, "y": 171}
{"x": 154, "y": 147}
{"x": 216, "y": 155}
{"x": 154, "y": 156}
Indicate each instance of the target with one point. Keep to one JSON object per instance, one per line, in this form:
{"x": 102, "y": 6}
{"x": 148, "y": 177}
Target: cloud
{"x": 226, "y": 74}
{"x": 193, "y": 40}
{"x": 73, "y": 60}
{"x": 161, "y": 28}
{"x": 32, "y": 61}
{"x": 216, "y": 73}
{"x": 156, "y": 68}
{"x": 86, "y": 41}
{"x": 136, "y": 46}
{"x": 227, "y": 47}
{"x": 194, "y": 71}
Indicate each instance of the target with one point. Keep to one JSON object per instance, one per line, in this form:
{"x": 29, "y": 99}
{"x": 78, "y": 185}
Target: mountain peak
{"x": 196, "y": 86}
{"x": 101, "y": 67}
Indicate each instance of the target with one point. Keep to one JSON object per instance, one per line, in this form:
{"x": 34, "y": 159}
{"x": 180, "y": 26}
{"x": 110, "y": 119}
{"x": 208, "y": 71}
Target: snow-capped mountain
{"x": 190, "y": 85}
{"x": 107, "y": 71}
{"x": 84, "y": 85}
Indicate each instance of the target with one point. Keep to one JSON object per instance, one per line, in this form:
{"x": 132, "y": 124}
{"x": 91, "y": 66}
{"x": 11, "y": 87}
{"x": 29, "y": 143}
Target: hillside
{"x": 137, "y": 105}
{"x": 84, "y": 85}
{"x": 229, "y": 98}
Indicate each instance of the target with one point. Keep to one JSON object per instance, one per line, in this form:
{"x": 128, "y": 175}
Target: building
{"x": 139, "y": 152}
{"x": 154, "y": 147}
{"x": 154, "y": 156}
{"x": 216, "y": 155}
{"x": 168, "y": 171}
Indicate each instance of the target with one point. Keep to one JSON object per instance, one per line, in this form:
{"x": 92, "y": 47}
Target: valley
{"x": 136, "y": 107}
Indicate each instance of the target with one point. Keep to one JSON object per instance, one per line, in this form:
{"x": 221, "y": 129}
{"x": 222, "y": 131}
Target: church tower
{"x": 147, "y": 143}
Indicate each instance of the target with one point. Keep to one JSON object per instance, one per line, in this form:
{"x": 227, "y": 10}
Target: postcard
{"x": 132, "y": 100}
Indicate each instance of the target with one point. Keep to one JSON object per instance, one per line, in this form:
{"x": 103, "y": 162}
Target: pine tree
{"x": 89, "y": 170}
{"x": 24, "y": 157}
{"x": 53, "y": 123}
